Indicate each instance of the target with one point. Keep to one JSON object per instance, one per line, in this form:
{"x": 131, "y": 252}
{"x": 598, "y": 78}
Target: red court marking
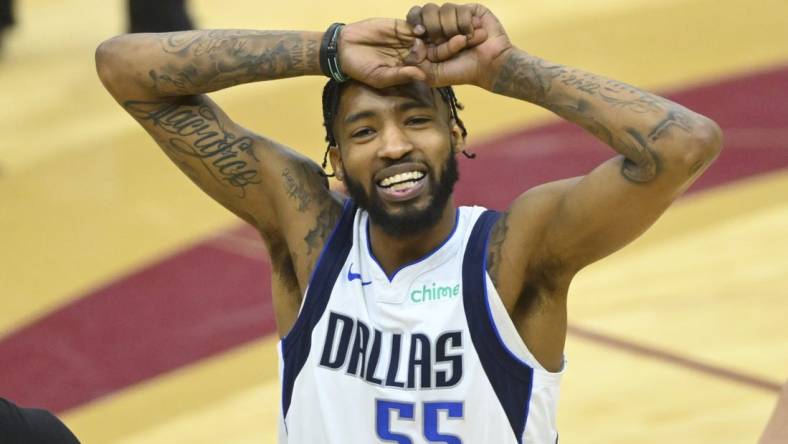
{"x": 674, "y": 358}
{"x": 187, "y": 307}
{"x": 215, "y": 296}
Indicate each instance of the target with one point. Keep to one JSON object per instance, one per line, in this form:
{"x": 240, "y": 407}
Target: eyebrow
{"x": 355, "y": 117}
{"x": 403, "y": 107}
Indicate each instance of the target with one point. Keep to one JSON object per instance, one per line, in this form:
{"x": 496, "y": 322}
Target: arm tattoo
{"x": 675, "y": 118}
{"x": 192, "y": 130}
{"x": 203, "y": 61}
{"x": 306, "y": 187}
{"x": 629, "y": 120}
{"x": 532, "y": 79}
{"x": 324, "y": 225}
{"x": 641, "y": 162}
{"x": 494, "y": 251}
{"x": 295, "y": 190}
{"x": 526, "y": 78}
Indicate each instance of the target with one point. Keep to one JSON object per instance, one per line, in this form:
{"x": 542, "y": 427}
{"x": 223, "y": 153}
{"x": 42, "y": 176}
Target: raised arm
{"x": 552, "y": 231}
{"x": 161, "y": 80}
{"x": 663, "y": 146}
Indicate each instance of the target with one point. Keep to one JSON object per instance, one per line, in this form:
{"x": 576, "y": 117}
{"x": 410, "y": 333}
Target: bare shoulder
{"x": 517, "y": 259}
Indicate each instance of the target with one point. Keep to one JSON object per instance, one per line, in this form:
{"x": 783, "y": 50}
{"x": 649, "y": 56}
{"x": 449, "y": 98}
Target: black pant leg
{"x": 6, "y": 13}
{"x": 158, "y": 16}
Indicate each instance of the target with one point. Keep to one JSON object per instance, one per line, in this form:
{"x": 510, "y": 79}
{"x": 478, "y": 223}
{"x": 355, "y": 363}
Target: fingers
{"x": 407, "y": 74}
{"x": 417, "y": 54}
{"x": 414, "y": 20}
{"x": 403, "y": 31}
{"x": 465, "y": 19}
{"x": 385, "y": 76}
{"x": 455, "y": 45}
{"x": 445, "y": 51}
{"x": 478, "y": 37}
{"x": 430, "y": 18}
{"x": 447, "y": 14}
{"x": 438, "y": 24}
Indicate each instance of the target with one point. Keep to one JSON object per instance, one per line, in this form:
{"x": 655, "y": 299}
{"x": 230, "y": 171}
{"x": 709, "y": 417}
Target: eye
{"x": 362, "y": 132}
{"x": 421, "y": 120}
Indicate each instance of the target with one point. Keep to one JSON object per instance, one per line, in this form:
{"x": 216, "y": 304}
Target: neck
{"x": 392, "y": 252}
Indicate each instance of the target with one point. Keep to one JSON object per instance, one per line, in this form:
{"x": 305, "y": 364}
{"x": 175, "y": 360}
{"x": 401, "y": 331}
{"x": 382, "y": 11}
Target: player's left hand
{"x": 465, "y": 44}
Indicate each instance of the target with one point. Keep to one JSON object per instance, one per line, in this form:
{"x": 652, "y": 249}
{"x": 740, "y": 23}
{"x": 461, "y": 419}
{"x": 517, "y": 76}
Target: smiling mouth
{"x": 402, "y": 186}
{"x": 401, "y": 180}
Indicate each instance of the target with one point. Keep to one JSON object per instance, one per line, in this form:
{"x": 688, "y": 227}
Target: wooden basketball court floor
{"x": 139, "y": 310}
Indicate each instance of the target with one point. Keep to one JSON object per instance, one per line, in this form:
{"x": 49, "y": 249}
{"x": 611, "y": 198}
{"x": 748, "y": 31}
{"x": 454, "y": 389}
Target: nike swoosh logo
{"x": 353, "y": 276}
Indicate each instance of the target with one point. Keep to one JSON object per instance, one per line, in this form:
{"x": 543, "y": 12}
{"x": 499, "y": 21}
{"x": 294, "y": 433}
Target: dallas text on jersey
{"x": 363, "y": 358}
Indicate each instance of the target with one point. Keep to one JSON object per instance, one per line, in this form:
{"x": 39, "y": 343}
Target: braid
{"x": 332, "y": 92}
{"x": 447, "y": 93}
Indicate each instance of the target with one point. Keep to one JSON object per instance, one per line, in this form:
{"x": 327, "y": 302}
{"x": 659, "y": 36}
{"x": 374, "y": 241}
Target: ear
{"x": 457, "y": 139}
{"x": 335, "y": 157}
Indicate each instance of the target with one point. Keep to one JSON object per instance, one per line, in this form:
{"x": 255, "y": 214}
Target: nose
{"x": 396, "y": 143}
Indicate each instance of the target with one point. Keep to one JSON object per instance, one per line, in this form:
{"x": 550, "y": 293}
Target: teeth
{"x": 402, "y": 186}
{"x": 402, "y": 177}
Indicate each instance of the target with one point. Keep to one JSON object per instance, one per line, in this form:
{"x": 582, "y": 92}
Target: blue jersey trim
{"x": 509, "y": 376}
{"x": 421, "y": 259}
{"x": 296, "y": 345}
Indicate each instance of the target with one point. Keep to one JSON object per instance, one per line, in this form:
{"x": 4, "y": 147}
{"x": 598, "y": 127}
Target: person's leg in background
{"x": 6, "y": 18}
{"x": 158, "y": 16}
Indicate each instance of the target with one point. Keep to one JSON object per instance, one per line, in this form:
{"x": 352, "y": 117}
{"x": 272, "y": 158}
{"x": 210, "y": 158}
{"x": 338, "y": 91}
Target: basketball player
{"x": 403, "y": 318}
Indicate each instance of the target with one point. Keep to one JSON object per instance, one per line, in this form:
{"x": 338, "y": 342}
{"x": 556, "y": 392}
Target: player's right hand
{"x": 381, "y": 52}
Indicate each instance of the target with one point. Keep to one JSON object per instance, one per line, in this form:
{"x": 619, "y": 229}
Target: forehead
{"x": 359, "y": 97}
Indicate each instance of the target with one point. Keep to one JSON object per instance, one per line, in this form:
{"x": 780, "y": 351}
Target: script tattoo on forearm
{"x": 588, "y": 100}
{"x": 532, "y": 79}
{"x": 211, "y": 60}
{"x": 192, "y": 130}
{"x": 521, "y": 78}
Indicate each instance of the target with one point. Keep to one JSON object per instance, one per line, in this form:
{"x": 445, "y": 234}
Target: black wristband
{"x": 329, "y": 53}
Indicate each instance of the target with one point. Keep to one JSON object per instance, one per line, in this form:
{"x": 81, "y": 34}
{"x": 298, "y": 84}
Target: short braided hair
{"x": 333, "y": 91}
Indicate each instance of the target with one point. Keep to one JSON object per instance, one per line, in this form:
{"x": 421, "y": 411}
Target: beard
{"x": 409, "y": 221}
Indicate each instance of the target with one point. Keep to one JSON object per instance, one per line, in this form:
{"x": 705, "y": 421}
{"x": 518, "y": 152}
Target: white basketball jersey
{"x": 427, "y": 355}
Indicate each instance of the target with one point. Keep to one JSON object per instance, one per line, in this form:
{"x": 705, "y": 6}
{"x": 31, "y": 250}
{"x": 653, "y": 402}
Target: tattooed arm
{"x": 161, "y": 80}
{"x": 552, "y": 231}
{"x": 663, "y": 146}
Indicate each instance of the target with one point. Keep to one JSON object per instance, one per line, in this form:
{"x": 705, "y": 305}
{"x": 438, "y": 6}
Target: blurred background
{"x": 139, "y": 311}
